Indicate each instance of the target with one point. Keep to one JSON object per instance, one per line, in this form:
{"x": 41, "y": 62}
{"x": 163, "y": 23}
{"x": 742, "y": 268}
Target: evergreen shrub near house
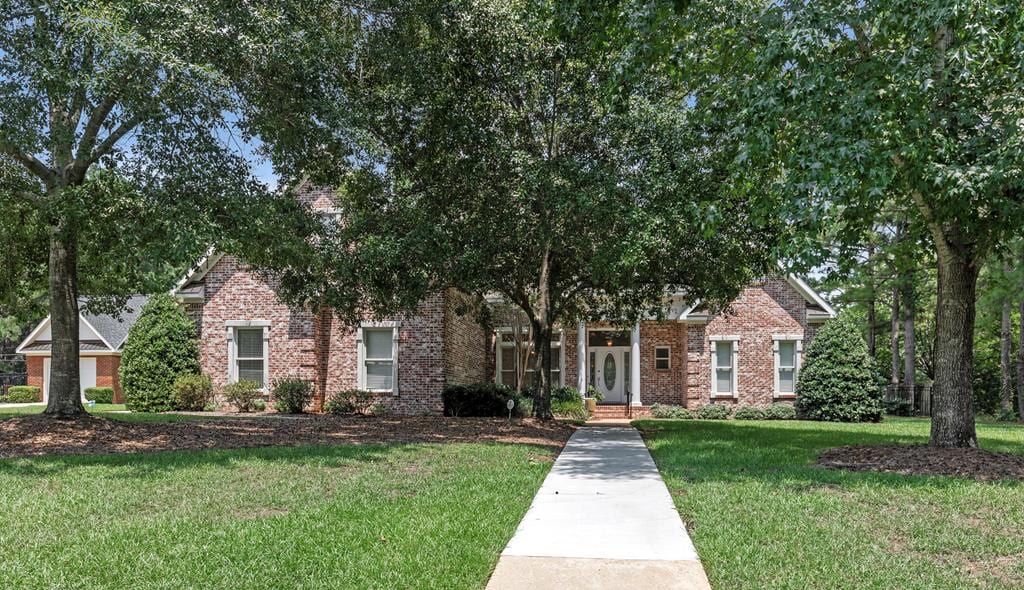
{"x": 484, "y": 399}
{"x": 780, "y": 411}
{"x": 567, "y": 402}
{"x": 24, "y": 394}
{"x": 714, "y": 412}
{"x": 749, "y": 413}
{"x": 245, "y": 396}
{"x": 100, "y": 395}
{"x": 192, "y": 392}
{"x": 350, "y": 401}
{"x": 838, "y": 381}
{"x": 670, "y": 412}
{"x": 161, "y": 346}
{"x": 292, "y": 395}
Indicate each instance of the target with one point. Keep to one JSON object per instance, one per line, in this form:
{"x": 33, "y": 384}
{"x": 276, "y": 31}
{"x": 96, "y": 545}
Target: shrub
{"x": 482, "y": 399}
{"x": 749, "y": 413}
{"x": 567, "y": 402}
{"x": 714, "y": 412}
{"x": 838, "y": 381}
{"x": 350, "y": 401}
{"x": 24, "y": 394}
{"x": 899, "y": 407}
{"x": 779, "y": 411}
{"x": 161, "y": 346}
{"x": 259, "y": 405}
{"x": 192, "y": 392}
{"x": 671, "y": 412}
{"x": 291, "y": 396}
{"x": 244, "y": 395}
{"x": 100, "y": 395}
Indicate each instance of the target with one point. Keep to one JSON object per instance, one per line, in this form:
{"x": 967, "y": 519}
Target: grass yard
{"x": 762, "y": 517}
{"x": 348, "y": 516}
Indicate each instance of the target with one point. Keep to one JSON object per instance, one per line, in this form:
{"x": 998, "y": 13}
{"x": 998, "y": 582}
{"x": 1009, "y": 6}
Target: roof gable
{"x": 96, "y": 332}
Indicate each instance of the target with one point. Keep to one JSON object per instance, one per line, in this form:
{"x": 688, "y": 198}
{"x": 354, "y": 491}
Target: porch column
{"x": 581, "y": 358}
{"x": 634, "y": 364}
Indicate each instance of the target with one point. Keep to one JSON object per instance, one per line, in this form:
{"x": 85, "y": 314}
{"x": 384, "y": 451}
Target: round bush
{"x": 100, "y": 395}
{"x": 749, "y": 413}
{"x": 192, "y": 392}
{"x": 161, "y": 346}
{"x": 779, "y": 411}
{"x": 714, "y": 412}
{"x": 838, "y": 381}
{"x": 245, "y": 396}
{"x": 291, "y": 396}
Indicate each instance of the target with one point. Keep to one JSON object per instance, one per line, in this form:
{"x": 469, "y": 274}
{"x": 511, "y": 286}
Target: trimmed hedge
{"x": 100, "y": 395}
{"x": 291, "y": 395}
{"x": 671, "y": 412}
{"x": 838, "y": 381}
{"x": 24, "y": 394}
{"x": 779, "y": 411}
{"x": 714, "y": 412}
{"x": 350, "y": 401}
{"x": 749, "y": 413}
{"x": 161, "y": 346}
{"x": 483, "y": 399}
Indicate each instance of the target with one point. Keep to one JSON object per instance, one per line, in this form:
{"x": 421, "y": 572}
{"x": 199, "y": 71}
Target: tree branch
{"x": 33, "y": 165}
{"x": 92, "y": 126}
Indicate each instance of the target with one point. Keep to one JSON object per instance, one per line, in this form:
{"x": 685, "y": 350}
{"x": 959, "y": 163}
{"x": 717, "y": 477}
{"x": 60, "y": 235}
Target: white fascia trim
{"x": 197, "y": 272}
{"x": 32, "y": 336}
{"x": 810, "y": 294}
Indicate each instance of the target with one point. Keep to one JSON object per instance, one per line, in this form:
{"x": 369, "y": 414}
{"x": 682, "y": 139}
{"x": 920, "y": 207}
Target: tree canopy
{"x": 497, "y": 151}
{"x": 121, "y": 156}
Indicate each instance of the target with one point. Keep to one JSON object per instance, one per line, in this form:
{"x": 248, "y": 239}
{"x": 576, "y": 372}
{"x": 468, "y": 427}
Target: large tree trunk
{"x": 1005, "y": 345}
{"x": 65, "y": 393}
{"x": 909, "y": 338}
{"x": 542, "y": 371}
{"x": 894, "y": 337}
{"x": 953, "y": 399}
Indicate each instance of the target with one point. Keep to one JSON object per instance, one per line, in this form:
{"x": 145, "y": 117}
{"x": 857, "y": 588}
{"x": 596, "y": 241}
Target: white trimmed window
{"x": 505, "y": 359}
{"x": 378, "y": 358}
{"x": 724, "y": 356}
{"x": 249, "y": 351}
{"x": 787, "y": 351}
{"x": 662, "y": 358}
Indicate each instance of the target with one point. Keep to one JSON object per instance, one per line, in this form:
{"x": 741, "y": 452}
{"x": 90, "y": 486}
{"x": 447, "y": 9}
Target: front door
{"x": 609, "y": 372}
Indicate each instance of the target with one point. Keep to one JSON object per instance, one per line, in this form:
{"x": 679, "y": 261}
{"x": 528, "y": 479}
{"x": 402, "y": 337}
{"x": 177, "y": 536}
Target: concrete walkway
{"x": 602, "y": 519}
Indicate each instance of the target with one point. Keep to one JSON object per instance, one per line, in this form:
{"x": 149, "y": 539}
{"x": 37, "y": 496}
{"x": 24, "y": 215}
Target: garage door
{"x": 86, "y": 375}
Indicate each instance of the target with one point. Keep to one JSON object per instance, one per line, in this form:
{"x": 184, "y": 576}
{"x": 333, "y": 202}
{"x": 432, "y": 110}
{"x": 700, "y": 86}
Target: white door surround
{"x": 592, "y": 356}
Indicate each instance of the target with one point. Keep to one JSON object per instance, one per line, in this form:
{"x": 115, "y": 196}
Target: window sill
{"x": 724, "y": 396}
{"x": 785, "y": 396}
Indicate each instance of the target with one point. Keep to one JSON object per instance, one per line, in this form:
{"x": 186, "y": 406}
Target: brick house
{"x": 101, "y": 339}
{"x": 748, "y": 356}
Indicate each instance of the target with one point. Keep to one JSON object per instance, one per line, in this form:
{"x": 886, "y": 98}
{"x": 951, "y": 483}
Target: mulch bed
{"x": 27, "y": 436}
{"x": 977, "y": 464}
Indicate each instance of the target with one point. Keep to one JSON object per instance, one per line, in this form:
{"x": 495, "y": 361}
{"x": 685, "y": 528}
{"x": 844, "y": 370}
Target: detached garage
{"x": 100, "y": 340}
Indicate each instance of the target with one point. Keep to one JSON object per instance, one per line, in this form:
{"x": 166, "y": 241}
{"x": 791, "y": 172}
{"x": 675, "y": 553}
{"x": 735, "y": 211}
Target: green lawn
{"x": 369, "y": 516}
{"x": 762, "y": 517}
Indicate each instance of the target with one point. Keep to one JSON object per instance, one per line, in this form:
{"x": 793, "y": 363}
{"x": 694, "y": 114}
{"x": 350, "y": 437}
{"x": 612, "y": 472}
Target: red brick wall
{"x": 107, "y": 375}
{"x": 664, "y": 386}
{"x": 768, "y": 307}
{"x": 34, "y": 367}
{"x": 465, "y": 342}
{"x": 233, "y": 293}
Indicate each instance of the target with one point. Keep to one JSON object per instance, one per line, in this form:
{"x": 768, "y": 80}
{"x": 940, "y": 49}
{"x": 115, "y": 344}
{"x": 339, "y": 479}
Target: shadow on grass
{"x": 140, "y": 466}
{"x": 783, "y": 453}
